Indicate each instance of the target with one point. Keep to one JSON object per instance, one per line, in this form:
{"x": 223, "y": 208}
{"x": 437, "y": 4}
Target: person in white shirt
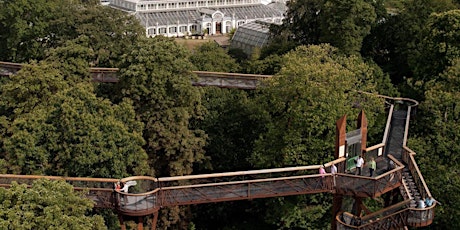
{"x": 333, "y": 169}
{"x": 359, "y": 165}
{"x": 333, "y": 172}
{"x": 421, "y": 203}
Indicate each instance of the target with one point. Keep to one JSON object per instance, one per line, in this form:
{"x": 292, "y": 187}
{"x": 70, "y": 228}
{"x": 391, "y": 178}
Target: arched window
{"x": 228, "y": 26}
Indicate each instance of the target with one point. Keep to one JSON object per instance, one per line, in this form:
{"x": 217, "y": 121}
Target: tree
{"x": 110, "y": 31}
{"x": 211, "y": 57}
{"x": 302, "y": 22}
{"x": 230, "y": 127}
{"x": 156, "y": 75}
{"x": 59, "y": 128}
{"x": 314, "y": 88}
{"x": 31, "y": 28}
{"x": 49, "y": 205}
{"x": 299, "y": 109}
{"x": 395, "y": 42}
{"x": 435, "y": 141}
{"x": 24, "y": 28}
{"x": 346, "y": 23}
{"x": 440, "y": 45}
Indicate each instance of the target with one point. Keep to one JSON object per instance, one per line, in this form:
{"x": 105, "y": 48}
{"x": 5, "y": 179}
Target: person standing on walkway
{"x": 333, "y": 172}
{"x": 333, "y": 169}
{"x": 372, "y": 167}
{"x": 322, "y": 171}
{"x": 359, "y": 165}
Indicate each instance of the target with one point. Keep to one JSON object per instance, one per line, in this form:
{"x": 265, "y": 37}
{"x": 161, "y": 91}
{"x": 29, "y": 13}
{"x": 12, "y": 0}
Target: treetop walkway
{"x": 204, "y": 78}
{"x": 397, "y": 174}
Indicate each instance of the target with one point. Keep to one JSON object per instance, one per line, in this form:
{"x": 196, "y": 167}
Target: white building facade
{"x": 177, "y": 18}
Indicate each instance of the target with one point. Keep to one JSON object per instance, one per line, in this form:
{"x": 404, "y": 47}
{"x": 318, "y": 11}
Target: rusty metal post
{"x": 340, "y": 151}
{"x": 155, "y": 220}
{"x": 362, "y": 124}
{"x": 336, "y": 207}
{"x": 122, "y": 223}
{"x": 140, "y": 223}
{"x": 358, "y": 206}
{"x": 340, "y": 137}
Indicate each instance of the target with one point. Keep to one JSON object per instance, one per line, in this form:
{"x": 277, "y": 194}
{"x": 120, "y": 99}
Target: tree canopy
{"x": 66, "y": 130}
{"x": 47, "y": 205}
{"x": 30, "y": 28}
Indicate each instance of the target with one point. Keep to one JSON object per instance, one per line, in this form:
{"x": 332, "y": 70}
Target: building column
{"x": 223, "y": 27}
{"x": 213, "y": 28}
{"x": 156, "y": 30}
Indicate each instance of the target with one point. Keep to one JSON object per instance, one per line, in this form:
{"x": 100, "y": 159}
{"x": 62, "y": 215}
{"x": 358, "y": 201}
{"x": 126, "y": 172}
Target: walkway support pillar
{"x": 140, "y": 223}
{"x": 155, "y": 220}
{"x": 336, "y": 207}
{"x": 122, "y": 223}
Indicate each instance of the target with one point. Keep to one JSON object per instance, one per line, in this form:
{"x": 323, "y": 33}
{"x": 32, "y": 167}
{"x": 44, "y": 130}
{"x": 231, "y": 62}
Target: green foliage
{"x": 156, "y": 76}
{"x": 211, "y": 57}
{"x": 59, "y": 127}
{"x": 231, "y": 33}
{"x": 267, "y": 66}
{"x": 314, "y": 88}
{"x": 346, "y": 23}
{"x": 298, "y": 109}
{"x": 24, "y": 28}
{"x": 440, "y": 45}
{"x": 436, "y": 144}
{"x": 399, "y": 50}
{"x": 230, "y": 127}
{"x": 49, "y": 205}
{"x": 298, "y": 212}
{"x": 30, "y": 28}
{"x": 302, "y": 22}
{"x": 238, "y": 54}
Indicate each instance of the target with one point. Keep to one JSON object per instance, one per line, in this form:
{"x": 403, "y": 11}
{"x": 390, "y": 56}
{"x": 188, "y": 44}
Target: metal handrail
{"x": 411, "y": 161}
{"x": 240, "y": 173}
{"x": 387, "y": 126}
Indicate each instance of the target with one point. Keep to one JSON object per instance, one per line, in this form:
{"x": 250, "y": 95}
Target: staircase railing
{"x": 419, "y": 216}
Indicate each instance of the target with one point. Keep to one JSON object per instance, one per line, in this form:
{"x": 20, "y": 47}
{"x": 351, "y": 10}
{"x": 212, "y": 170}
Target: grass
{"x": 191, "y": 43}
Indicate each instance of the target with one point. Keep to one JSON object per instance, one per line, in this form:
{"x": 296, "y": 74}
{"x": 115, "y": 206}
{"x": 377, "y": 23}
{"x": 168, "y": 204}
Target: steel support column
{"x": 336, "y": 207}
{"x": 155, "y": 220}
{"x": 122, "y": 223}
{"x": 140, "y": 223}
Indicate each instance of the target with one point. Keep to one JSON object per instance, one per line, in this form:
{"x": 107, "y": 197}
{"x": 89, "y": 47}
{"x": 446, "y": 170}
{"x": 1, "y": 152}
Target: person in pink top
{"x": 322, "y": 171}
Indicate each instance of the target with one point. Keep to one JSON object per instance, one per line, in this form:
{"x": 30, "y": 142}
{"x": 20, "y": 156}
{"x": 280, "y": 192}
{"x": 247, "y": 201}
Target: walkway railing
{"x": 393, "y": 217}
{"x": 424, "y": 216}
{"x": 205, "y": 78}
{"x": 205, "y": 188}
{"x": 149, "y": 194}
{"x": 363, "y": 186}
